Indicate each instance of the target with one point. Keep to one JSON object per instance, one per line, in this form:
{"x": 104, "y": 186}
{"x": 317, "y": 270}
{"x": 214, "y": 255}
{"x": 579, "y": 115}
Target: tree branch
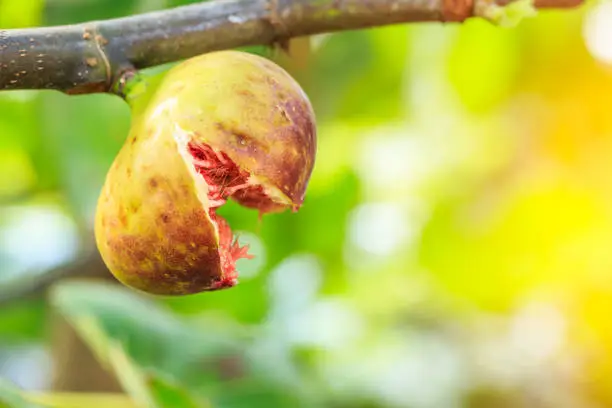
{"x": 88, "y": 264}
{"x": 89, "y": 57}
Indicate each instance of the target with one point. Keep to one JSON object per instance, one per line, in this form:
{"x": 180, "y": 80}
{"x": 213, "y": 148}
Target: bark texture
{"x": 89, "y": 57}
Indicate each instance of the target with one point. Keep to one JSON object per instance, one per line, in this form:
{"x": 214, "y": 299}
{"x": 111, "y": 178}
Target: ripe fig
{"x": 224, "y": 125}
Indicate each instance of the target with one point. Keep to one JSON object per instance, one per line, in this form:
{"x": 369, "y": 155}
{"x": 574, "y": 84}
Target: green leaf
{"x": 176, "y": 3}
{"x": 169, "y": 393}
{"x": 70, "y": 12}
{"x": 102, "y": 312}
{"x": 13, "y": 397}
{"x": 18, "y": 14}
{"x": 157, "y": 355}
{"x": 83, "y": 134}
{"x": 509, "y": 15}
{"x": 369, "y": 89}
{"x": 147, "y": 388}
{"x": 98, "y": 312}
{"x": 80, "y": 400}
{"x": 22, "y": 150}
{"x": 23, "y": 320}
{"x": 482, "y": 65}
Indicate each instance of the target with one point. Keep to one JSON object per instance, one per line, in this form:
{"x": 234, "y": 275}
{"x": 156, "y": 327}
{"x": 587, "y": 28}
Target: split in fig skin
{"x": 225, "y": 125}
{"x": 224, "y": 179}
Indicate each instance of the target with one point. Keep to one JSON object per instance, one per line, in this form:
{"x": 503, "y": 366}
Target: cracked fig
{"x": 224, "y": 125}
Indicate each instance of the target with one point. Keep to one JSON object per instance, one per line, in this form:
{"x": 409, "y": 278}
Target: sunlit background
{"x": 454, "y": 249}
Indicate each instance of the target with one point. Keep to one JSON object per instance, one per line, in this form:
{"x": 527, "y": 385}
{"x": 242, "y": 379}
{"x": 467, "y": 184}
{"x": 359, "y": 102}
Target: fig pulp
{"x": 224, "y": 125}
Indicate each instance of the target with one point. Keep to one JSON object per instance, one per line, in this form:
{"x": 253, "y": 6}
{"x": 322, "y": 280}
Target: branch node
{"x": 504, "y": 15}
{"x": 457, "y": 10}
{"x": 123, "y": 79}
{"x": 281, "y": 35}
{"x": 90, "y": 32}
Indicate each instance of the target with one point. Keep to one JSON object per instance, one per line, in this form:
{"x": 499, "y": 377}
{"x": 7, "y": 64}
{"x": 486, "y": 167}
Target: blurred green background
{"x": 454, "y": 248}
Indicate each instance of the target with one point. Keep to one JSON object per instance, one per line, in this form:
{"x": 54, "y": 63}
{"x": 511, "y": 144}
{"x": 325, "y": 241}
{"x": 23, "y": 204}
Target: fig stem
{"x": 90, "y": 57}
{"x": 137, "y": 87}
{"x": 126, "y": 83}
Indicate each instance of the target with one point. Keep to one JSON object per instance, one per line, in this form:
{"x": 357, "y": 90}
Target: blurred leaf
{"x": 176, "y": 3}
{"x": 548, "y": 59}
{"x": 378, "y": 94}
{"x": 369, "y": 88}
{"x": 19, "y": 14}
{"x": 483, "y": 64}
{"x": 13, "y": 397}
{"x": 152, "y": 351}
{"x": 70, "y": 12}
{"x": 171, "y": 394}
{"x": 138, "y": 324}
{"x": 23, "y": 320}
{"x": 323, "y": 231}
{"x": 17, "y": 163}
{"x": 141, "y": 383}
{"x": 84, "y": 134}
{"x": 81, "y": 400}
{"x": 245, "y": 303}
{"x": 24, "y": 153}
{"x": 148, "y": 388}
{"x": 509, "y": 249}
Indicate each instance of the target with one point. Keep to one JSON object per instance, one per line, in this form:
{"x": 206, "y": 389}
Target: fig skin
{"x": 153, "y": 227}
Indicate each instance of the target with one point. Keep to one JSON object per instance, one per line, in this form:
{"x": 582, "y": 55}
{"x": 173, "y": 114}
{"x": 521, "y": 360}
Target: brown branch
{"x": 88, "y": 264}
{"x": 88, "y": 58}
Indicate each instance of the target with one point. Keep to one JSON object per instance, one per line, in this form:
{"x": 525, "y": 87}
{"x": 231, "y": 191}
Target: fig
{"x": 224, "y": 125}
